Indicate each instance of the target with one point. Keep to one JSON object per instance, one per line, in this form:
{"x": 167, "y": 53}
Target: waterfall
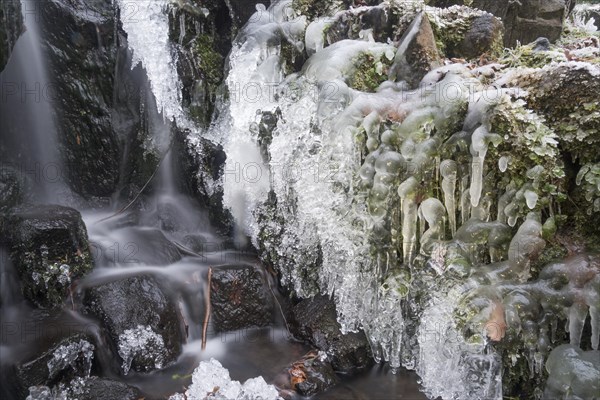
{"x": 28, "y": 96}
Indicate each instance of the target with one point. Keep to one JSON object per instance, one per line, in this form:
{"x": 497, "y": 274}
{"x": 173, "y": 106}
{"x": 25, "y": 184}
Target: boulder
{"x": 49, "y": 248}
{"x": 315, "y": 320}
{"x": 144, "y": 324}
{"x": 240, "y": 299}
{"x": 464, "y": 32}
{"x": 524, "y": 20}
{"x": 61, "y": 362}
{"x": 417, "y": 53}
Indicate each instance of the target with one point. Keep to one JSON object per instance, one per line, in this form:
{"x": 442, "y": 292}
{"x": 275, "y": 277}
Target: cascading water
{"x": 420, "y": 211}
{"x": 28, "y": 95}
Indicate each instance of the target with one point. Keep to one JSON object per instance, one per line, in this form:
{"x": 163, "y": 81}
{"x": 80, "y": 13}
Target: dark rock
{"x": 417, "y": 53}
{"x": 541, "y": 44}
{"x": 312, "y": 374}
{"x": 484, "y": 36}
{"x": 49, "y": 248}
{"x": 11, "y": 21}
{"x": 524, "y": 20}
{"x": 315, "y": 320}
{"x": 137, "y": 308}
{"x": 94, "y": 388}
{"x": 80, "y": 45}
{"x": 60, "y": 363}
{"x": 202, "y": 165}
{"x": 240, "y": 299}
{"x": 13, "y": 189}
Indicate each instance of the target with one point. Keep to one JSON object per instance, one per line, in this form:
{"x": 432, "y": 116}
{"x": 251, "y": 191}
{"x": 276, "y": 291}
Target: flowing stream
{"x": 386, "y": 196}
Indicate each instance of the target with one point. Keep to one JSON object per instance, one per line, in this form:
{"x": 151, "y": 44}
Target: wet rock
{"x": 49, "y": 248}
{"x": 202, "y": 164}
{"x": 312, "y": 374}
{"x": 13, "y": 190}
{"x": 94, "y": 388}
{"x": 315, "y": 320}
{"x": 524, "y": 20}
{"x": 143, "y": 322}
{"x": 12, "y": 27}
{"x": 240, "y": 299}
{"x": 91, "y": 388}
{"x": 417, "y": 53}
{"x": 80, "y": 44}
{"x": 60, "y": 363}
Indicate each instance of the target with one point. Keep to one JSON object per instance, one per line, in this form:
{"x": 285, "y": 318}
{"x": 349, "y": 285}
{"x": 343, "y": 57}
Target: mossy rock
{"x": 49, "y": 248}
{"x": 318, "y": 8}
{"x": 369, "y": 72}
{"x": 463, "y": 32}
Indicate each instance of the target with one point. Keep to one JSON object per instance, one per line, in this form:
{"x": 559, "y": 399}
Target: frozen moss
{"x": 370, "y": 72}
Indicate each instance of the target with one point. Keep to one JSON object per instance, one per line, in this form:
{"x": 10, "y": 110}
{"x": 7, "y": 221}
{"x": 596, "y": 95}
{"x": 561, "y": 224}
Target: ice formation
{"x": 143, "y": 345}
{"x": 211, "y": 380}
{"x": 147, "y": 25}
{"x": 419, "y": 211}
{"x": 73, "y": 354}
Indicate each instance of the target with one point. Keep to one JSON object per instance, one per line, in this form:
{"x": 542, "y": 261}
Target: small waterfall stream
{"x": 380, "y": 197}
{"x": 28, "y": 96}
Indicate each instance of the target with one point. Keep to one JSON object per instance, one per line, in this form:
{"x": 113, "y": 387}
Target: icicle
{"x": 531, "y": 198}
{"x": 479, "y": 146}
{"x": 181, "y": 28}
{"x": 503, "y": 163}
{"x": 577, "y": 314}
{"x": 407, "y": 192}
{"x": 432, "y": 211}
{"x": 448, "y": 171}
{"x": 595, "y": 320}
{"x": 465, "y": 207}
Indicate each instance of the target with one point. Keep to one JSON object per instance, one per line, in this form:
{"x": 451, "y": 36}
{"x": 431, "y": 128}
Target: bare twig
{"x": 207, "y": 311}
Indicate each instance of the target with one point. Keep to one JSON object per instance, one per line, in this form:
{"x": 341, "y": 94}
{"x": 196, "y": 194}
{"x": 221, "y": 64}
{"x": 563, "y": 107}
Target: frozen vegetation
{"x": 422, "y": 211}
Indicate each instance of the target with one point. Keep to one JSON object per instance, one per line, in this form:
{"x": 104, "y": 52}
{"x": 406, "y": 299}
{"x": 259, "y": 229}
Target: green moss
{"x": 317, "y": 8}
{"x": 523, "y": 56}
{"x": 210, "y": 63}
{"x": 369, "y": 72}
{"x": 534, "y": 157}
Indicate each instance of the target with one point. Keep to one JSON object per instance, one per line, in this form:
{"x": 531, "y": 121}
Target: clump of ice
{"x": 77, "y": 355}
{"x": 143, "y": 344}
{"x": 211, "y": 380}
{"x": 147, "y": 25}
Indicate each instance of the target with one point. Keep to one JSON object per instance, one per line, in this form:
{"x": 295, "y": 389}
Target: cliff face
{"x": 11, "y": 26}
